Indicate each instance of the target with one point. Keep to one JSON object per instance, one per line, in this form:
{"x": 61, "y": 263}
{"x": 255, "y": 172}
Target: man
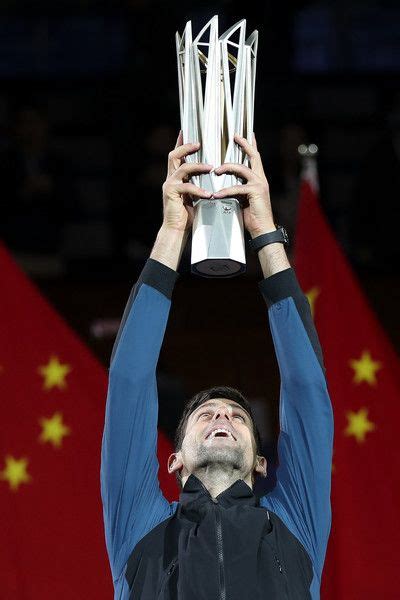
{"x": 219, "y": 542}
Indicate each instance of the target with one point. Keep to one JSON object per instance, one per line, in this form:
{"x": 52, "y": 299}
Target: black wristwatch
{"x": 280, "y": 235}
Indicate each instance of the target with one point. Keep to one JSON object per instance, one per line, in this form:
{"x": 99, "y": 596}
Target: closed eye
{"x": 240, "y": 417}
{"x": 237, "y": 415}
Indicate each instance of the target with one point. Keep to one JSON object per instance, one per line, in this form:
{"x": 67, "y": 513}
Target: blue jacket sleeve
{"x": 132, "y": 500}
{"x": 301, "y": 497}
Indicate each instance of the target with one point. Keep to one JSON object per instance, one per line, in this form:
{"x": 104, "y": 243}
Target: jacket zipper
{"x": 172, "y": 567}
{"x": 220, "y": 552}
{"x": 278, "y": 562}
{"x": 167, "y": 577}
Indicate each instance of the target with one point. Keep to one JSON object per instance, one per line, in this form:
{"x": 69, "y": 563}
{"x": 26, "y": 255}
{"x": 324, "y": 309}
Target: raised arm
{"x": 132, "y": 500}
{"x": 302, "y": 495}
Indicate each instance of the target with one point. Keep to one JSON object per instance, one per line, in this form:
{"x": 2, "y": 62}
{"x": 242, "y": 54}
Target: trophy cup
{"x": 216, "y": 95}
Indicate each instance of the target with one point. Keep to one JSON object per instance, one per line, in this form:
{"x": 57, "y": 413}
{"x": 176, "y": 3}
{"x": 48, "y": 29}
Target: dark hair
{"x": 221, "y": 391}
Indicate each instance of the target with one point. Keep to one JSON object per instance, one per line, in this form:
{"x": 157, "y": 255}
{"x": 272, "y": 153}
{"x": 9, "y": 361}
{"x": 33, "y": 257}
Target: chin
{"x": 229, "y": 456}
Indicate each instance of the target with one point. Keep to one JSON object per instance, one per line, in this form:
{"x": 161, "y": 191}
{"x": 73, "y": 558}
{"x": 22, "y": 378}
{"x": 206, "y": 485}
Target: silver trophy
{"x": 216, "y": 96}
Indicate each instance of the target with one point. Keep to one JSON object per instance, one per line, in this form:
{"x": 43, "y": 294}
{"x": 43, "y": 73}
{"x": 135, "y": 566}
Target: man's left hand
{"x": 257, "y": 211}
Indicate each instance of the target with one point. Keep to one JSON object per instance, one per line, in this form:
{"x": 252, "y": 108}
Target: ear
{"x": 174, "y": 462}
{"x": 261, "y": 466}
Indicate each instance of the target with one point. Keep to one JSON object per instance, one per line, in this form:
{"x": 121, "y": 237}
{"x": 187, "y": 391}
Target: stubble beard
{"x": 220, "y": 458}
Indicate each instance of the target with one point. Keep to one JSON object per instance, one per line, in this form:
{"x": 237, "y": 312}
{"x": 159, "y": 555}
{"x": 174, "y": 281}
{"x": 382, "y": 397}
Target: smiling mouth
{"x": 221, "y": 434}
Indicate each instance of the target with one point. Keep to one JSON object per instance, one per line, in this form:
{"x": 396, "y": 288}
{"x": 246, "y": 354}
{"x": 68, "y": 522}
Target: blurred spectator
{"x": 285, "y": 177}
{"x": 37, "y": 193}
{"x": 375, "y": 206}
{"x": 138, "y": 216}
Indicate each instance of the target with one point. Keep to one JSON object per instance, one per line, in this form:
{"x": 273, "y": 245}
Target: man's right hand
{"x": 178, "y": 193}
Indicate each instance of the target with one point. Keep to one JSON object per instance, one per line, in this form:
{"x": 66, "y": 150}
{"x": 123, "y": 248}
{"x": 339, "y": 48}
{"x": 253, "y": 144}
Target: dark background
{"x": 88, "y": 113}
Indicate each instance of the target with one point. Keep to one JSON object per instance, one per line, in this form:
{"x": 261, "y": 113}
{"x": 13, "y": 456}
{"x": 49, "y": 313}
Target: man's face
{"x": 205, "y": 443}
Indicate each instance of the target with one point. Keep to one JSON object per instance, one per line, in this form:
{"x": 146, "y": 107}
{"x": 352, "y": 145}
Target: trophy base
{"x": 218, "y": 267}
{"x": 217, "y": 239}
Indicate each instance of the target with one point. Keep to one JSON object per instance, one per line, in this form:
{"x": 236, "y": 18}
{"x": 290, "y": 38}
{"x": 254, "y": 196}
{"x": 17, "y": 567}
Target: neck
{"x": 217, "y": 481}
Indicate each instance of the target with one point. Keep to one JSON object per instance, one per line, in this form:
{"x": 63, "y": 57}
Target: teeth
{"x": 212, "y": 434}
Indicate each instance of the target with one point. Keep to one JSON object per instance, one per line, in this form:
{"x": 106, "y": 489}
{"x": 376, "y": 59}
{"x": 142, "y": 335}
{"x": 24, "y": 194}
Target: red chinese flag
{"x": 53, "y": 394}
{"x": 363, "y": 378}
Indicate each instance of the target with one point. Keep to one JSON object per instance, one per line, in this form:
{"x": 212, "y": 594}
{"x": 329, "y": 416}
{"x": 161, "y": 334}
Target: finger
{"x": 231, "y": 192}
{"x": 252, "y": 153}
{"x": 175, "y": 156}
{"x": 247, "y": 147}
{"x": 187, "y": 169}
{"x": 236, "y": 169}
{"x": 193, "y": 190}
{"x": 179, "y": 140}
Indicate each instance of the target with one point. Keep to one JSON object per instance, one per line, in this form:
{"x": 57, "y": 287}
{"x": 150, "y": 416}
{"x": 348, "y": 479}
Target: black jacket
{"x": 239, "y": 546}
{"x": 226, "y": 548}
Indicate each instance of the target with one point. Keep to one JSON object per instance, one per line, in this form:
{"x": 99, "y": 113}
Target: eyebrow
{"x": 214, "y": 404}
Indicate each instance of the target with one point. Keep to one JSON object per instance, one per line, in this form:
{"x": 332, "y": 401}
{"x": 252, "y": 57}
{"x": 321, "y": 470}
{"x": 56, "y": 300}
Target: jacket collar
{"x": 195, "y": 495}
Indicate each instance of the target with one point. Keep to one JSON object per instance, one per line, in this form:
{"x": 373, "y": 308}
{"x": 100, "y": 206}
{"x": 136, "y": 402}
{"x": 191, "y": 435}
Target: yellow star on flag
{"x": 312, "y": 296}
{"x": 15, "y": 472}
{"x": 54, "y": 373}
{"x": 53, "y": 430}
{"x": 358, "y": 424}
{"x": 365, "y": 368}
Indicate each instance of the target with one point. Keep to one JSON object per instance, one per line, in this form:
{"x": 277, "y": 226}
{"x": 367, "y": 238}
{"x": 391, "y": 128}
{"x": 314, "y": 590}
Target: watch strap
{"x": 280, "y": 235}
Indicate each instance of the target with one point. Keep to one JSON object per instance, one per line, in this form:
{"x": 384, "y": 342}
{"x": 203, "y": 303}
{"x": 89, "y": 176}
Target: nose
{"x": 221, "y": 412}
